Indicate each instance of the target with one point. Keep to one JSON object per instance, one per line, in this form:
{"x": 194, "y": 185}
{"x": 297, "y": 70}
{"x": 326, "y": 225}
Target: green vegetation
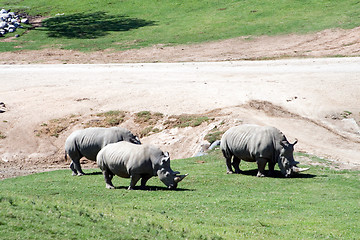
{"x": 214, "y": 135}
{"x": 144, "y": 119}
{"x": 345, "y": 114}
{"x": 318, "y": 204}
{"x": 56, "y": 126}
{"x": 2, "y": 136}
{"x": 147, "y": 120}
{"x": 186, "y": 120}
{"x": 148, "y": 117}
{"x": 118, "y": 25}
{"x": 112, "y": 118}
{"x": 148, "y": 130}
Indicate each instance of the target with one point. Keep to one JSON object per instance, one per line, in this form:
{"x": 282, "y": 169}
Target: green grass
{"x": 148, "y": 117}
{"x": 319, "y": 204}
{"x": 112, "y": 118}
{"x": 186, "y": 120}
{"x": 117, "y": 25}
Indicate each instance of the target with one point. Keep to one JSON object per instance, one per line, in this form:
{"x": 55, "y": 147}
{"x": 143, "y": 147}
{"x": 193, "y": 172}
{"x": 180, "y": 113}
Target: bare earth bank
{"x": 313, "y": 100}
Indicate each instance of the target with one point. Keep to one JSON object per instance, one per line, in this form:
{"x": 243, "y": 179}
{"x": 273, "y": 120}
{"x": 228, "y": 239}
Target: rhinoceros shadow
{"x": 93, "y": 173}
{"x": 154, "y": 188}
{"x": 277, "y": 174}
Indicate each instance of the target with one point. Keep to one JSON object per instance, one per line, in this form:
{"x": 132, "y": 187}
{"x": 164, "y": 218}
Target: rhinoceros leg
{"x": 228, "y": 165}
{"x": 108, "y": 177}
{"x": 228, "y": 157}
{"x": 78, "y": 167}
{"x": 133, "y": 180}
{"x": 75, "y": 165}
{"x": 236, "y": 163}
{"x": 271, "y": 169}
{"x": 261, "y": 162}
{"x": 144, "y": 179}
{"x": 72, "y": 167}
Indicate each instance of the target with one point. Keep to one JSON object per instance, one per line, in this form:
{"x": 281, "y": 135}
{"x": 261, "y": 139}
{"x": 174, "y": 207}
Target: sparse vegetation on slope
{"x": 145, "y": 121}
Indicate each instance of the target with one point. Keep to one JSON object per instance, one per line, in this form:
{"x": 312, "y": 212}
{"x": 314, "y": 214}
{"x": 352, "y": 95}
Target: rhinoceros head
{"x": 132, "y": 138}
{"x": 286, "y": 161}
{"x": 167, "y": 175}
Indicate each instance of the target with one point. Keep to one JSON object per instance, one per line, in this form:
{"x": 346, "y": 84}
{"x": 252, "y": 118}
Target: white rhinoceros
{"x": 88, "y": 142}
{"x": 134, "y": 161}
{"x": 261, "y": 144}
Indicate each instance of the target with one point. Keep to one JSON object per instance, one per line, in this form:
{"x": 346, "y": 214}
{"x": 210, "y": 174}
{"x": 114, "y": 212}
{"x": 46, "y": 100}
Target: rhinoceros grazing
{"x": 88, "y": 142}
{"x": 133, "y": 161}
{"x": 259, "y": 144}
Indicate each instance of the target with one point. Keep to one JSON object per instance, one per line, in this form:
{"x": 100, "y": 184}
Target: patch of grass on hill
{"x": 119, "y": 25}
{"x": 56, "y": 126}
{"x": 186, "y": 120}
{"x": 213, "y": 135}
{"x": 209, "y": 204}
{"x": 112, "y": 118}
{"x": 148, "y": 130}
{"x": 145, "y": 120}
{"x": 148, "y": 117}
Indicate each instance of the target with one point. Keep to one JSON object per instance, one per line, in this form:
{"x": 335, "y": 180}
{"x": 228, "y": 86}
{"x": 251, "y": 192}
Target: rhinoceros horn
{"x": 298, "y": 169}
{"x": 180, "y": 178}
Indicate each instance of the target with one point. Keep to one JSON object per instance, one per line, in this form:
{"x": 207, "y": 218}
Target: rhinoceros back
{"x": 88, "y": 142}
{"x": 248, "y": 142}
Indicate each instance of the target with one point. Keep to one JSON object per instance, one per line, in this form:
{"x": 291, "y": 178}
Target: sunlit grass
{"x": 209, "y": 204}
{"x": 119, "y": 25}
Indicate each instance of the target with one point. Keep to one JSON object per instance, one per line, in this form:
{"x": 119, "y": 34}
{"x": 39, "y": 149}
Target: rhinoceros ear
{"x": 165, "y": 158}
{"x": 284, "y": 144}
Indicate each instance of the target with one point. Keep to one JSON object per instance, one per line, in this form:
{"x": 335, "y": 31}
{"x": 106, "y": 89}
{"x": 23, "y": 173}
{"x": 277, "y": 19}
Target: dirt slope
{"x": 327, "y": 43}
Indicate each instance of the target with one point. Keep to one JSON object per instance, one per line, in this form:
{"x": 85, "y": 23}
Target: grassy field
{"x": 318, "y": 204}
{"x": 117, "y": 25}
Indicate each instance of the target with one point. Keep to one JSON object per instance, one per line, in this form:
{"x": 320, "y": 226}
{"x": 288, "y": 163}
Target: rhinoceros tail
{"x": 225, "y": 149}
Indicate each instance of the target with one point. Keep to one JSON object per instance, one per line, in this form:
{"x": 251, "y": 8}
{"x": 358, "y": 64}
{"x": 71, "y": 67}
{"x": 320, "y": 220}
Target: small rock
{"x": 214, "y": 144}
{"x": 2, "y": 107}
{"x": 3, "y": 25}
{"x": 24, "y": 20}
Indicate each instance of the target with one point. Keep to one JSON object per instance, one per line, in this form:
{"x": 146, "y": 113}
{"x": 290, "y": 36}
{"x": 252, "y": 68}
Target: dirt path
{"x": 327, "y": 43}
{"x": 314, "y": 100}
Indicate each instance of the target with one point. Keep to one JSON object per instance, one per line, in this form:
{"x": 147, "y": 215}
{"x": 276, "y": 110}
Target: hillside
{"x": 313, "y": 100}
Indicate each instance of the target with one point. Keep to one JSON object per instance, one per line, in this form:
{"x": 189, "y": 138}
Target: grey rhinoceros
{"x": 88, "y": 142}
{"x": 261, "y": 144}
{"x": 133, "y": 161}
